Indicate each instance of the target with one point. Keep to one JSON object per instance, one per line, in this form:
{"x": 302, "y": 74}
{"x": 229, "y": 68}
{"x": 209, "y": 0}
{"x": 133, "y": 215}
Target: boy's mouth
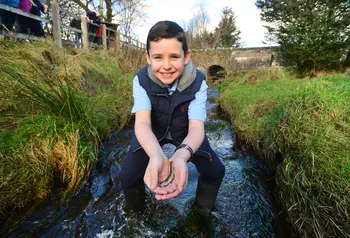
{"x": 167, "y": 75}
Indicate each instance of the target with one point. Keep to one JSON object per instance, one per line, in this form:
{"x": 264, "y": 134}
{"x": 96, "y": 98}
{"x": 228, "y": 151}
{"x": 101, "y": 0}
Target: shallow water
{"x": 244, "y": 207}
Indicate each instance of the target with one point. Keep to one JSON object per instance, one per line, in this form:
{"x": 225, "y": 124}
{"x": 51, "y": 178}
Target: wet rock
{"x": 221, "y": 138}
{"x": 99, "y": 185}
{"x": 114, "y": 172}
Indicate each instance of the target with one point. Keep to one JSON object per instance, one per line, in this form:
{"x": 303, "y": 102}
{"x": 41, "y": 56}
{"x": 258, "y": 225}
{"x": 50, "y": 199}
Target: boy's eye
{"x": 157, "y": 57}
{"x": 175, "y": 57}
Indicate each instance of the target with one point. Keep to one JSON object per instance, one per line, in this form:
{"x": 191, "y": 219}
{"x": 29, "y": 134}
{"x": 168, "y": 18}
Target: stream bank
{"x": 244, "y": 207}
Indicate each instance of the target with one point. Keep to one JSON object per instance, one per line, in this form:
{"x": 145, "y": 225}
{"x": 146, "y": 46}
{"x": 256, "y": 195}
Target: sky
{"x": 180, "y": 11}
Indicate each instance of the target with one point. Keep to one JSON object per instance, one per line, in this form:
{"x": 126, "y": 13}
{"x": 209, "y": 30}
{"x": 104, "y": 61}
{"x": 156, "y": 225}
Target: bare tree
{"x": 198, "y": 35}
{"x": 127, "y": 13}
{"x": 82, "y": 4}
{"x": 201, "y": 20}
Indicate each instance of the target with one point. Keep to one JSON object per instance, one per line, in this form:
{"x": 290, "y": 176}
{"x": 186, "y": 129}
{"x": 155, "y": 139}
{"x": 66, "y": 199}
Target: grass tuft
{"x": 56, "y": 105}
{"x": 307, "y": 123}
{"x": 271, "y": 73}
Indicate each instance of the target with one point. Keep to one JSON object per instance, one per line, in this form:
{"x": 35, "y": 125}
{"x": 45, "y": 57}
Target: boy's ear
{"x": 187, "y": 57}
{"x": 148, "y": 58}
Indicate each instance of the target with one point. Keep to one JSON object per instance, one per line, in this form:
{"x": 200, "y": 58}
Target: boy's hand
{"x": 179, "y": 160}
{"x": 158, "y": 170}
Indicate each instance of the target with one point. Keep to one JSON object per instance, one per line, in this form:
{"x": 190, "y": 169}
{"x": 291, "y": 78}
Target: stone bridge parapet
{"x": 230, "y": 60}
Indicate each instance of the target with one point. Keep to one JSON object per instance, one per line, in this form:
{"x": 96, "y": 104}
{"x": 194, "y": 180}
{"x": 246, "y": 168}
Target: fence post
{"x": 117, "y": 40}
{"x": 56, "y": 28}
{"x": 129, "y": 41}
{"x": 84, "y": 33}
{"x": 104, "y": 36}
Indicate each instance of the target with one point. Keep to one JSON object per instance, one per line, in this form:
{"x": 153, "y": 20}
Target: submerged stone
{"x": 99, "y": 185}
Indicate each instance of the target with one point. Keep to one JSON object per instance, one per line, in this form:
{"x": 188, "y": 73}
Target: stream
{"x": 244, "y": 206}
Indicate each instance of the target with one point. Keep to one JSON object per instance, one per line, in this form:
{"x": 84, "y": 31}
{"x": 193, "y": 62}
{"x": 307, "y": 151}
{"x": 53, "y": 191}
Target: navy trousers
{"x": 134, "y": 166}
{"x": 8, "y": 19}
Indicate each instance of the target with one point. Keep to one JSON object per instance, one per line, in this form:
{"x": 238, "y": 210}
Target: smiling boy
{"x": 170, "y": 107}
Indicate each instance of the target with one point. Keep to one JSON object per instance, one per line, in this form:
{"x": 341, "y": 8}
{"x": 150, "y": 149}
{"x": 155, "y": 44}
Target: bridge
{"x": 219, "y": 62}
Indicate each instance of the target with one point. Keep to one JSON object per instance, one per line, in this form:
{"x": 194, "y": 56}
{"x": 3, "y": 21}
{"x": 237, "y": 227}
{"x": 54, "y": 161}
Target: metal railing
{"x": 21, "y": 13}
{"x": 110, "y": 38}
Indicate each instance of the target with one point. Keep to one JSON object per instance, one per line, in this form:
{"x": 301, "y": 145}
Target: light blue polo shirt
{"x": 196, "y": 110}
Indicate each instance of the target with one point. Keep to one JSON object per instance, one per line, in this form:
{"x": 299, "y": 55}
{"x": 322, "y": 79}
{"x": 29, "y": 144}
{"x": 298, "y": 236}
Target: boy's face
{"x": 167, "y": 59}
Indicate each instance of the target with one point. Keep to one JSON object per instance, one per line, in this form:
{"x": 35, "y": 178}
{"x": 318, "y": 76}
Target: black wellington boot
{"x": 135, "y": 198}
{"x": 205, "y": 197}
{"x": 197, "y": 225}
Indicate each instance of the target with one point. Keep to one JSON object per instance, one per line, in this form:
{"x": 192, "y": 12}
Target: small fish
{"x": 169, "y": 178}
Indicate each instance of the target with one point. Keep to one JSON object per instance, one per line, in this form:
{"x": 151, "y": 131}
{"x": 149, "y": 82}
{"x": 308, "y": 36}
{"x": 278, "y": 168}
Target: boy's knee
{"x": 125, "y": 175}
{"x": 218, "y": 170}
{"x": 133, "y": 167}
{"x": 215, "y": 175}
{"x": 222, "y": 171}
{"x": 219, "y": 174}
{"x": 127, "y": 180}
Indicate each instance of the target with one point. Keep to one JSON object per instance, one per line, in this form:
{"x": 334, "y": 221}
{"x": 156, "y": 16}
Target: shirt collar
{"x": 172, "y": 89}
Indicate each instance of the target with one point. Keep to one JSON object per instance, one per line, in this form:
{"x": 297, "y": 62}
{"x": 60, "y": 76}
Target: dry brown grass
{"x": 262, "y": 106}
{"x": 34, "y": 164}
{"x": 66, "y": 156}
{"x": 130, "y": 60}
{"x": 261, "y": 74}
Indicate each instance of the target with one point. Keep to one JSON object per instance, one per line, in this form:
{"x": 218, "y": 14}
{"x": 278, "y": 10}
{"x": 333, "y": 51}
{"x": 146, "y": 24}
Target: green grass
{"x": 213, "y": 126}
{"x": 257, "y": 108}
{"x": 307, "y": 122}
{"x": 56, "y": 105}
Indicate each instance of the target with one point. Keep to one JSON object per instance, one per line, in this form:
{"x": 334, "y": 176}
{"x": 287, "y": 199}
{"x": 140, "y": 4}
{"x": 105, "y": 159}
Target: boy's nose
{"x": 166, "y": 64}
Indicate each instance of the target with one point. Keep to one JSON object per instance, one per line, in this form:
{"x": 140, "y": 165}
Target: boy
{"x": 169, "y": 106}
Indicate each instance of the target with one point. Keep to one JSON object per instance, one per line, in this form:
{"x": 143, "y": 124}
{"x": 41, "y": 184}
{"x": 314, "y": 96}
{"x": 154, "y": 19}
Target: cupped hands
{"x": 179, "y": 161}
{"x": 157, "y": 171}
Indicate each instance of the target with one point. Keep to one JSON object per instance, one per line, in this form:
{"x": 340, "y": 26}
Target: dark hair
{"x": 167, "y": 29}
